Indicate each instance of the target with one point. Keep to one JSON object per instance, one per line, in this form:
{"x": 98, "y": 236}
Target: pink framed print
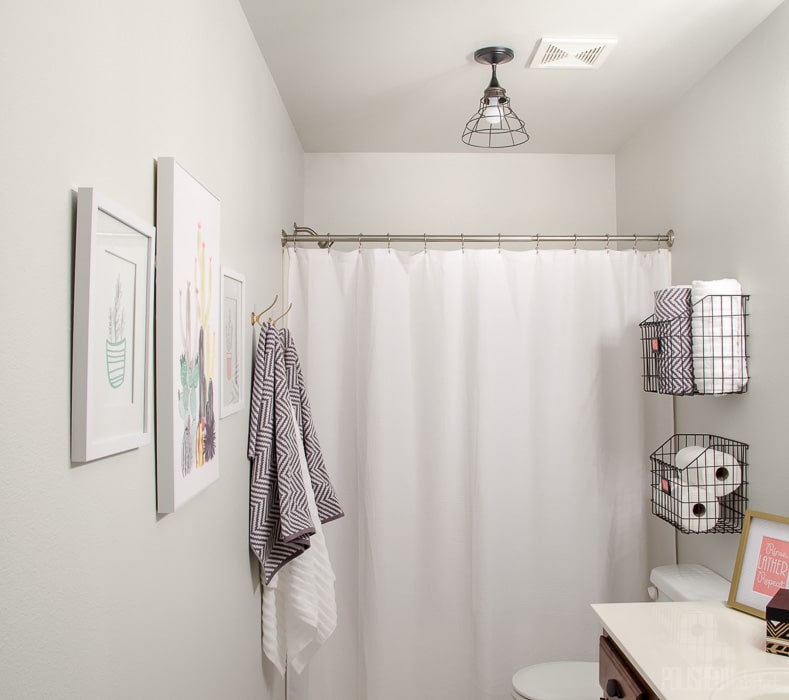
{"x": 762, "y": 565}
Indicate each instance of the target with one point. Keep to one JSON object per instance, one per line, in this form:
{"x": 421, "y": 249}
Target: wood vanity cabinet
{"x": 618, "y": 679}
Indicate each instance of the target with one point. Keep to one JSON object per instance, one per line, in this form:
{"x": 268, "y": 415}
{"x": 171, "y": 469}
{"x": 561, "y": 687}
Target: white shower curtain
{"x": 483, "y": 420}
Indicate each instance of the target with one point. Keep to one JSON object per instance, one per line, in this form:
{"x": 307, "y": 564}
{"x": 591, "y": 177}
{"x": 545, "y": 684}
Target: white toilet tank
{"x": 687, "y": 582}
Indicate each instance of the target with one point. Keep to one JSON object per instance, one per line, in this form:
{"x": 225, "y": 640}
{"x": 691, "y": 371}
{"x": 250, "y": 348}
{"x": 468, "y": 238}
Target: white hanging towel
{"x": 299, "y": 609}
{"x": 718, "y": 330}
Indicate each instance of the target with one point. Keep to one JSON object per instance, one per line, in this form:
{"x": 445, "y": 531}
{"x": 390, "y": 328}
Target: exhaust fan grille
{"x": 572, "y": 53}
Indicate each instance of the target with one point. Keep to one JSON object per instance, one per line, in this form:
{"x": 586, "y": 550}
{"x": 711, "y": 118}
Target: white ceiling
{"x": 400, "y": 76}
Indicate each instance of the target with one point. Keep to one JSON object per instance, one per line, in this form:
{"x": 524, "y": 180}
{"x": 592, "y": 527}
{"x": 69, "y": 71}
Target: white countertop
{"x": 697, "y": 651}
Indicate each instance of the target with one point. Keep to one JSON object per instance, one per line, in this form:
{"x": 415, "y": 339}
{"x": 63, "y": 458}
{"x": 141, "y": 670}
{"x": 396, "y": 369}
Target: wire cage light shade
{"x": 495, "y": 124}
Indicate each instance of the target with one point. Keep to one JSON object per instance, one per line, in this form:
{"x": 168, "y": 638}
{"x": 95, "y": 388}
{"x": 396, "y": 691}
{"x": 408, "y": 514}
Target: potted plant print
{"x": 116, "y": 340}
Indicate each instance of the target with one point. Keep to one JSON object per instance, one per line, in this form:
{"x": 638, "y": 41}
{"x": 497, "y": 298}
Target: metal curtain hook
{"x": 328, "y": 245}
{"x": 499, "y": 242}
{"x": 607, "y": 242}
{"x": 537, "y": 249}
{"x": 462, "y": 244}
{"x": 388, "y": 243}
{"x": 360, "y": 243}
{"x": 425, "y": 239}
{"x": 575, "y": 243}
{"x": 635, "y": 247}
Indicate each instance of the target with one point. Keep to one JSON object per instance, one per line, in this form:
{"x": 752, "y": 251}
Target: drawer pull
{"x": 613, "y": 689}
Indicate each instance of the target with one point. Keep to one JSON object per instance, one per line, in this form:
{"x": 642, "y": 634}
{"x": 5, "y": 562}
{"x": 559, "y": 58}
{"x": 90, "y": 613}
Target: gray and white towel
{"x": 325, "y": 498}
{"x": 298, "y": 610}
{"x": 279, "y": 518}
{"x": 675, "y": 363}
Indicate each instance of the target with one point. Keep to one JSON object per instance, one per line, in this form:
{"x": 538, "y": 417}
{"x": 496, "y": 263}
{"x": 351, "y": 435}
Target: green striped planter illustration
{"x": 116, "y": 362}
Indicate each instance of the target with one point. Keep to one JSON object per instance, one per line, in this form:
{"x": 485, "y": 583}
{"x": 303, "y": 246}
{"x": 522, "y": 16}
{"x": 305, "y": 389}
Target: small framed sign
{"x": 762, "y": 565}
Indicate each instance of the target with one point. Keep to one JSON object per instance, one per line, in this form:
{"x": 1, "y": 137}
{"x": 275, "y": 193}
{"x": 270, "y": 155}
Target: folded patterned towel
{"x": 718, "y": 328}
{"x": 675, "y": 363}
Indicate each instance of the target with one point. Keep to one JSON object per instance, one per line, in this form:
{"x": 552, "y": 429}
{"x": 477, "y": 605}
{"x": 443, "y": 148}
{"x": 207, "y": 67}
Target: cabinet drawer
{"x": 618, "y": 679}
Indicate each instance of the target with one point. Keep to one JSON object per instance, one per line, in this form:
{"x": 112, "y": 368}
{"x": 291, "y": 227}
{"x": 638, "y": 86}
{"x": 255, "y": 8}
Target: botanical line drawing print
{"x": 230, "y": 335}
{"x": 197, "y": 363}
{"x": 116, "y": 339}
{"x": 235, "y": 384}
{"x": 231, "y": 385}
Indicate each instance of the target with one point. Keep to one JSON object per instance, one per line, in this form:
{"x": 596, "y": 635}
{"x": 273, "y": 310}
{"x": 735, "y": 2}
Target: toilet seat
{"x": 557, "y": 680}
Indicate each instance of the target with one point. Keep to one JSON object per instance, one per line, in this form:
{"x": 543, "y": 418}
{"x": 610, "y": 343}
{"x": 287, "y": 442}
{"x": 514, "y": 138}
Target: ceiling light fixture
{"x": 494, "y": 125}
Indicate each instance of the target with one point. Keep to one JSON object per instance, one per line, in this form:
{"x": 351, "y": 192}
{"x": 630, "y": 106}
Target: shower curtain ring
{"x": 607, "y": 242}
{"x": 425, "y": 239}
{"x": 499, "y": 242}
{"x": 388, "y": 243}
{"x": 462, "y": 244}
{"x": 537, "y": 249}
{"x": 635, "y": 247}
{"x": 575, "y": 243}
{"x": 360, "y": 243}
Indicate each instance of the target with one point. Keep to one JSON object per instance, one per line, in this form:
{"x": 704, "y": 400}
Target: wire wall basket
{"x": 700, "y": 483}
{"x": 701, "y": 350}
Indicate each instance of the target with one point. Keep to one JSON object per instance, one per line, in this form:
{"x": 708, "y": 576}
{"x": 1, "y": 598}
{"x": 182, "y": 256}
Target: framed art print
{"x": 188, "y": 336}
{"x": 112, "y": 343}
{"x": 762, "y": 565}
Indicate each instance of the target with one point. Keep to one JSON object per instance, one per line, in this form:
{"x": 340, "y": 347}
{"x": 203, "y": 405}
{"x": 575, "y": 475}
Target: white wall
{"x": 715, "y": 167}
{"x": 99, "y": 597}
{"x": 451, "y": 193}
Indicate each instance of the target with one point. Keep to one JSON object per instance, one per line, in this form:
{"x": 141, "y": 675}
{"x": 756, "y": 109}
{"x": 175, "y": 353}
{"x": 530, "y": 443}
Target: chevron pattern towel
{"x": 279, "y": 517}
{"x": 675, "y": 364}
{"x": 325, "y": 498}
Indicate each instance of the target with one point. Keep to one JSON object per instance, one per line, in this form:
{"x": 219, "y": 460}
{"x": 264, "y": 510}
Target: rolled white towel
{"x": 718, "y": 332}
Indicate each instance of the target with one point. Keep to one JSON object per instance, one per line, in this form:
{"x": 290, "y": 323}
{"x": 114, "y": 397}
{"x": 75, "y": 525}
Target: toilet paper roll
{"x": 687, "y": 455}
{"x": 694, "y": 508}
{"x": 715, "y": 470}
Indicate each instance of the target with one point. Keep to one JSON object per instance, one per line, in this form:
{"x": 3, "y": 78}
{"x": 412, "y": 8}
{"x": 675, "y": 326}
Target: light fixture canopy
{"x": 494, "y": 125}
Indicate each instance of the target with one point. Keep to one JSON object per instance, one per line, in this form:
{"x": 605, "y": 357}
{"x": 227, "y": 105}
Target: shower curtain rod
{"x": 304, "y": 234}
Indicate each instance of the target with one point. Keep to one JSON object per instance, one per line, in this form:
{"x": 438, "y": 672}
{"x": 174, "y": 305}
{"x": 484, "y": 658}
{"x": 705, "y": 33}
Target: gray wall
{"x": 99, "y": 597}
{"x": 715, "y": 167}
{"x": 452, "y": 193}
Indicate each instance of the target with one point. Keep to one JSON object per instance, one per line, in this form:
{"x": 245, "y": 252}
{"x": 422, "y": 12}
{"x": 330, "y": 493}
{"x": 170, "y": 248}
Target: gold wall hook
{"x": 281, "y": 316}
{"x": 257, "y": 317}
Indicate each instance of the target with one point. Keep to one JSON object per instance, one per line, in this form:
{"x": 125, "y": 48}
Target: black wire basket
{"x": 700, "y": 483}
{"x": 699, "y": 352}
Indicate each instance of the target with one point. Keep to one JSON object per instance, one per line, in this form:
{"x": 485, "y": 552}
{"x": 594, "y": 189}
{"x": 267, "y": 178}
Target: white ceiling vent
{"x": 572, "y": 53}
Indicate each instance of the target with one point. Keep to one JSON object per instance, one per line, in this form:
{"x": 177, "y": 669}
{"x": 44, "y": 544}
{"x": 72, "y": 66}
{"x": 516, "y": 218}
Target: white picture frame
{"x": 187, "y": 329}
{"x": 231, "y": 356}
{"x": 112, "y": 340}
